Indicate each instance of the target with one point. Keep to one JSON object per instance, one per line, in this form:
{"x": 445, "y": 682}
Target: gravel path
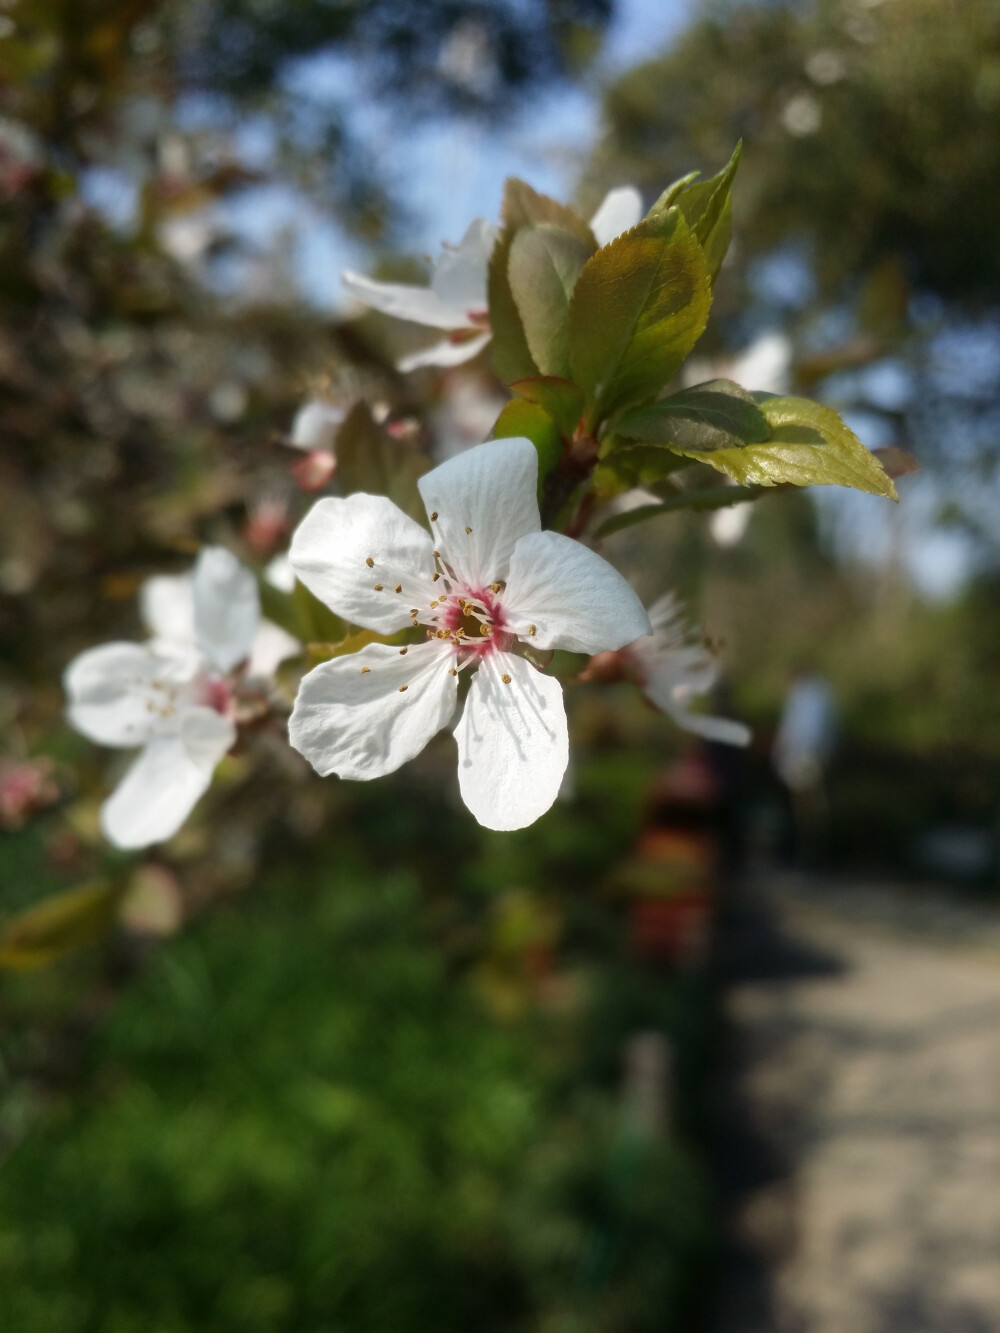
{"x": 861, "y": 1140}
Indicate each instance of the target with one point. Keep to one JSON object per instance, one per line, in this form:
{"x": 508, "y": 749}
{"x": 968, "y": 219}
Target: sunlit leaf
{"x": 707, "y": 209}
{"x": 809, "y": 446}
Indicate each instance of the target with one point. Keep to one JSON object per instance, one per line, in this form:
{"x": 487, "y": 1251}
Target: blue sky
{"x": 450, "y": 171}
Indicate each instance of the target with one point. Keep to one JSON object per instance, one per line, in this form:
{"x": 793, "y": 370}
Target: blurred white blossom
{"x": 456, "y": 299}
{"x": 172, "y": 696}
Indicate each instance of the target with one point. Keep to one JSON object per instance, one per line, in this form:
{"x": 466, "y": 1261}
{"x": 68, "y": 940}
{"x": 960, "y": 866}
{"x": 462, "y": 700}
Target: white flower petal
{"x": 271, "y": 646}
{"x": 122, "y": 694}
{"x": 226, "y": 607}
{"x": 280, "y": 574}
{"x": 571, "y": 595}
{"x": 331, "y": 549}
{"x": 316, "y": 425}
{"x": 481, "y": 503}
{"x": 620, "y": 210}
{"x": 459, "y": 278}
{"x": 513, "y": 743}
{"x": 166, "y": 604}
{"x": 673, "y": 667}
{"x": 722, "y": 729}
{"x": 159, "y": 791}
{"x": 445, "y": 353}
{"x": 420, "y": 305}
{"x": 363, "y": 723}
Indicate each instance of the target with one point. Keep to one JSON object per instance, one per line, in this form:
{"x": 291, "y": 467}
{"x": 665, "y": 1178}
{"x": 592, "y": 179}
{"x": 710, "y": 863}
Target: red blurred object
{"x": 670, "y": 930}
{"x": 315, "y": 470}
{"x": 25, "y": 788}
{"x": 267, "y": 525}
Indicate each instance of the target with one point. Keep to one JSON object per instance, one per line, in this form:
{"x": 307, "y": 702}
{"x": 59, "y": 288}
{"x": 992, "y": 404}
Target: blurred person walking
{"x": 803, "y": 748}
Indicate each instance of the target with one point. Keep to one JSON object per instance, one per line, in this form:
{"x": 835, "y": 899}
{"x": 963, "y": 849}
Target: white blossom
{"x": 487, "y": 585}
{"x": 316, "y": 424}
{"x": 171, "y": 696}
{"x": 456, "y": 299}
{"x": 673, "y": 668}
{"x": 620, "y": 210}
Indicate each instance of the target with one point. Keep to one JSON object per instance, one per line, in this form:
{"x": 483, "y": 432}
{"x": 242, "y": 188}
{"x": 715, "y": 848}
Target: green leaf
{"x": 643, "y": 464}
{"x": 530, "y": 420}
{"x": 545, "y": 262}
{"x": 562, "y": 399}
{"x": 712, "y": 497}
{"x": 325, "y": 651}
{"x": 512, "y": 359}
{"x": 524, "y": 207}
{"x": 279, "y": 607}
{"x": 707, "y": 208}
{"x": 718, "y": 414}
{"x": 299, "y": 612}
{"x": 638, "y": 308}
{"x": 809, "y": 446}
{"x": 315, "y": 619}
{"x": 370, "y": 460}
{"x": 58, "y": 925}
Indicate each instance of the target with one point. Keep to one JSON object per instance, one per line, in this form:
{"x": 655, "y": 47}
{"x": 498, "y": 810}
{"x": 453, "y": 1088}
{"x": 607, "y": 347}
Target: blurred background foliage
{"x": 377, "y": 1081}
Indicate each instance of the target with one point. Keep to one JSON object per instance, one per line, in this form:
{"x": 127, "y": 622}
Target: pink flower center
{"x": 215, "y": 694}
{"x": 473, "y": 619}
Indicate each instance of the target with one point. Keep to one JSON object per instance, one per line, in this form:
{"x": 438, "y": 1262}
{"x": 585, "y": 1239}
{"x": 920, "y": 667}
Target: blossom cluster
{"x": 461, "y": 616}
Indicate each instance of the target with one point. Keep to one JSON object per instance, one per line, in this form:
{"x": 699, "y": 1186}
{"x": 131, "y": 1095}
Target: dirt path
{"x": 862, "y": 1139}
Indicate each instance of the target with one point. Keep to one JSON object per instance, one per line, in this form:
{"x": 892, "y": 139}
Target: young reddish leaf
{"x": 638, "y": 309}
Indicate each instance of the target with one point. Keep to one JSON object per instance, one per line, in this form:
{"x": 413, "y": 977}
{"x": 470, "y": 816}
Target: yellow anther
{"x": 442, "y": 633}
{"x": 468, "y": 531}
{"x": 485, "y": 629}
{"x": 365, "y": 670}
{"x": 435, "y": 576}
{"x": 377, "y": 587}
{"x": 531, "y": 629}
{"x": 403, "y": 652}
{"x": 460, "y": 633}
{"x": 369, "y": 562}
{"x": 398, "y": 588}
{"x": 505, "y": 678}
{"x": 414, "y": 612}
{"x": 403, "y": 688}
{"x": 436, "y": 553}
{"x": 433, "y": 518}
{"x": 497, "y": 587}
{"x": 452, "y": 671}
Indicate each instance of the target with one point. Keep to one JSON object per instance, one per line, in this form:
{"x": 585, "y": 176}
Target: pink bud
{"x": 315, "y": 470}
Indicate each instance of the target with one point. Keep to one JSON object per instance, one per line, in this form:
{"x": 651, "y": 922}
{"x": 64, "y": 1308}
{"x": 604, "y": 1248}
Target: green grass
{"x": 299, "y": 1117}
